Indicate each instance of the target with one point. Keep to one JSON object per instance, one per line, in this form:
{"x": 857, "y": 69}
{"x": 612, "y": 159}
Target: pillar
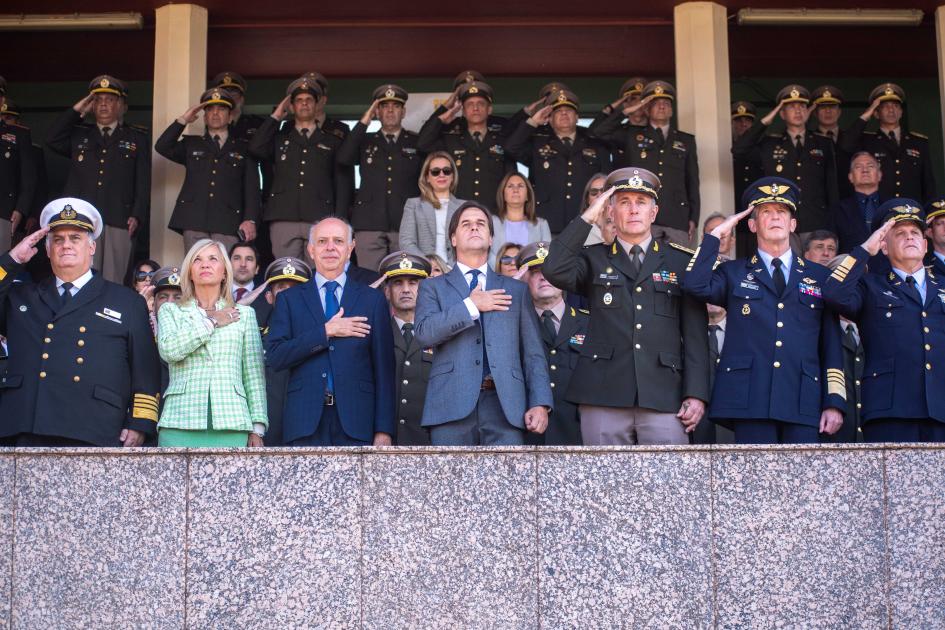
{"x": 703, "y": 97}
{"x": 180, "y": 76}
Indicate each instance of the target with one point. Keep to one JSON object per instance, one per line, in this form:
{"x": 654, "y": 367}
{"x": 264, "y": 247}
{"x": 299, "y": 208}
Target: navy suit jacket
{"x": 850, "y": 227}
{"x": 516, "y": 351}
{"x": 363, "y": 368}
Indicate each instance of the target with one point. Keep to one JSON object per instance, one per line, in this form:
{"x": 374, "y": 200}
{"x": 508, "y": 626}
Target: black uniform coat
{"x": 557, "y": 172}
{"x": 906, "y": 165}
{"x": 17, "y": 170}
{"x": 481, "y": 165}
{"x": 84, "y": 372}
{"x": 564, "y": 422}
{"x": 389, "y": 176}
{"x": 306, "y": 177}
{"x": 673, "y": 160}
{"x": 412, "y": 373}
{"x": 344, "y": 186}
{"x": 646, "y": 343}
{"x": 113, "y": 176}
{"x": 813, "y": 168}
{"x": 221, "y": 187}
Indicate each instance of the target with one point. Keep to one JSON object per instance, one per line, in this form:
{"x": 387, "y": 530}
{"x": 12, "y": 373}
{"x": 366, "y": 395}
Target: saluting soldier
{"x": 747, "y": 168}
{"x": 631, "y": 92}
{"x": 935, "y": 231}
{"x": 662, "y": 149}
{"x": 796, "y": 154}
{"x": 111, "y": 169}
{"x": 563, "y": 331}
{"x": 901, "y": 316}
{"x": 83, "y": 367}
{"x": 220, "y": 195}
{"x": 390, "y": 170}
{"x": 17, "y": 172}
{"x": 827, "y": 101}
{"x": 474, "y": 141}
{"x": 499, "y": 125}
{"x": 242, "y": 125}
{"x": 403, "y": 272}
{"x": 643, "y": 372}
{"x": 560, "y": 160}
{"x": 281, "y": 274}
{"x": 903, "y": 154}
{"x": 780, "y": 373}
{"x": 306, "y": 175}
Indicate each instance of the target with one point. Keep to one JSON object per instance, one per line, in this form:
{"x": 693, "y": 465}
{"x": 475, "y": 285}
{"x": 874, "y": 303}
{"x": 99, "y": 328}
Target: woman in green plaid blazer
{"x": 217, "y": 391}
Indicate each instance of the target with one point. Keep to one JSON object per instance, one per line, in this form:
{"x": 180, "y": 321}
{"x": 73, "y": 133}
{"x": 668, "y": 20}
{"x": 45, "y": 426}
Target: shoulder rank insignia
{"x": 585, "y": 311}
{"x": 918, "y": 135}
{"x": 681, "y": 248}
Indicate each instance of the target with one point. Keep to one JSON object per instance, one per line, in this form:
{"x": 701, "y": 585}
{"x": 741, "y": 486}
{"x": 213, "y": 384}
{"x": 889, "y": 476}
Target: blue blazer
{"x": 363, "y": 368}
{"x": 848, "y": 224}
{"x": 513, "y": 342}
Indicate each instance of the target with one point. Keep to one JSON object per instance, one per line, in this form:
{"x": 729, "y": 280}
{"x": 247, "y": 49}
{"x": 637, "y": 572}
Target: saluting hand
{"x": 536, "y": 419}
{"x": 594, "y": 211}
{"x": 341, "y": 326}
{"x": 871, "y": 109}
{"x": 191, "y": 114}
{"x": 26, "y": 249}
{"x": 874, "y": 242}
{"x": 452, "y": 111}
{"x": 541, "y": 117}
{"x": 282, "y": 109}
{"x": 370, "y": 113}
{"x": 492, "y": 300}
{"x": 84, "y": 106}
{"x": 767, "y": 120}
{"x": 533, "y": 107}
{"x": 726, "y": 226}
{"x": 643, "y": 102}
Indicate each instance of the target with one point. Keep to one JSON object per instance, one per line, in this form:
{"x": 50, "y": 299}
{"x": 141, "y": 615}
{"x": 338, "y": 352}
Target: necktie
{"x": 850, "y": 334}
{"x": 548, "y": 327}
{"x": 830, "y": 134}
{"x": 331, "y": 309}
{"x": 216, "y": 138}
{"x": 892, "y": 136}
{"x": 714, "y": 341}
{"x": 390, "y": 138}
{"x": 635, "y": 252}
{"x": 304, "y": 132}
{"x": 778, "y": 275}
{"x": 407, "y": 331}
{"x": 911, "y": 288}
{"x": 106, "y": 134}
{"x": 567, "y": 142}
{"x": 477, "y": 136}
{"x": 474, "y": 281}
{"x": 66, "y": 294}
{"x": 799, "y": 141}
{"x": 240, "y": 292}
{"x": 869, "y": 207}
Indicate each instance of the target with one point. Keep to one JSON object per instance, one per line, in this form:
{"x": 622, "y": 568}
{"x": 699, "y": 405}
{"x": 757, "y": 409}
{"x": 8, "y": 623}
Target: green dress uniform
{"x": 413, "y": 373}
{"x": 17, "y": 170}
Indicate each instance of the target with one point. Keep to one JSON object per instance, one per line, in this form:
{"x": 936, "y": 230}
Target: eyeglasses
{"x": 593, "y": 192}
{"x": 141, "y": 276}
{"x": 436, "y": 171}
{"x": 507, "y": 260}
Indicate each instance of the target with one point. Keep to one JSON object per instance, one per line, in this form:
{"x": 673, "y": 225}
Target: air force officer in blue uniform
{"x": 780, "y": 376}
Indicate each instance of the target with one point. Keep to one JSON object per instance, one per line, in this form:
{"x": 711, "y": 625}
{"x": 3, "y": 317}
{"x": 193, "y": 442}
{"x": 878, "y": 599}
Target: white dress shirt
{"x": 77, "y": 284}
{"x": 473, "y": 311}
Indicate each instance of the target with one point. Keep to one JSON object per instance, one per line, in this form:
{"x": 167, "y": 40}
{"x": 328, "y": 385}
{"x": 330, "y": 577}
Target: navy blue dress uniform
{"x": 933, "y": 210}
{"x": 81, "y": 369}
{"x": 746, "y": 168}
{"x": 308, "y": 183}
{"x": 296, "y": 271}
{"x": 17, "y": 164}
{"x": 631, "y": 87}
{"x": 853, "y": 362}
{"x": 390, "y": 170}
{"x": 782, "y": 362}
{"x": 221, "y": 186}
{"x": 558, "y": 170}
{"x": 906, "y": 162}
{"x": 811, "y": 167}
{"x": 646, "y": 343}
{"x": 903, "y": 339}
{"x": 673, "y": 158}
{"x": 481, "y": 162}
{"x": 412, "y": 361}
{"x": 562, "y": 349}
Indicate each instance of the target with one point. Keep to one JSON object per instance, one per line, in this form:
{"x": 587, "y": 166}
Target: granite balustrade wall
{"x": 726, "y": 537}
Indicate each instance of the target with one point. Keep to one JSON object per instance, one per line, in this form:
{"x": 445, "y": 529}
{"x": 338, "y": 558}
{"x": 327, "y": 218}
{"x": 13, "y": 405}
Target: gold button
{"x": 637, "y": 346}
{"x": 47, "y": 340}
{"x": 552, "y": 385}
{"x": 928, "y": 347}
{"x": 76, "y": 379}
{"x": 554, "y": 367}
{"x": 928, "y": 366}
{"x": 80, "y": 360}
{"x": 81, "y": 342}
{"x": 81, "y": 329}
{"x": 553, "y": 351}
{"x": 639, "y": 307}
{"x": 301, "y": 172}
{"x": 639, "y": 326}
{"x": 780, "y": 324}
{"x": 42, "y": 375}
{"x": 857, "y": 383}
{"x": 859, "y": 405}
{"x": 50, "y": 326}
{"x": 45, "y": 356}
{"x": 924, "y": 314}
{"x": 780, "y": 305}
{"x": 925, "y": 329}
{"x": 777, "y": 364}
{"x": 778, "y": 343}
{"x": 639, "y": 289}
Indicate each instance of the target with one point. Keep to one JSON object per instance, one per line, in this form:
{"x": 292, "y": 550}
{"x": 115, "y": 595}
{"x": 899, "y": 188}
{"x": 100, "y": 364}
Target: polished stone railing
{"x": 728, "y": 537}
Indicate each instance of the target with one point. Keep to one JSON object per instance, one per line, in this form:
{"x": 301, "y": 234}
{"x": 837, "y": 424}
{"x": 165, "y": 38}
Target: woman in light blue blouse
{"x": 515, "y": 220}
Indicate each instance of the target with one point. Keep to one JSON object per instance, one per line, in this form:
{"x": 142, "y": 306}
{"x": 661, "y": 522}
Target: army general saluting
{"x": 83, "y": 367}
{"x": 643, "y": 374}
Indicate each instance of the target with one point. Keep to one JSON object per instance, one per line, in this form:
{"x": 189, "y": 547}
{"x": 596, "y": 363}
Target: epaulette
{"x": 681, "y": 248}
{"x": 140, "y": 128}
{"x": 775, "y": 135}
{"x": 870, "y": 133}
{"x": 16, "y": 124}
{"x": 585, "y": 311}
{"x": 918, "y": 135}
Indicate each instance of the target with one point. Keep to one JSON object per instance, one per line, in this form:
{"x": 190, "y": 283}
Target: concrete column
{"x": 180, "y": 76}
{"x": 940, "y": 41}
{"x": 703, "y": 96}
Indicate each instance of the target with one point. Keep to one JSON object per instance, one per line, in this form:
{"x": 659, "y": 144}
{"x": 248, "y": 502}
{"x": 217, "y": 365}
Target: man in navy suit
{"x": 852, "y": 218}
{"x": 901, "y": 316}
{"x": 489, "y": 379}
{"x": 935, "y": 231}
{"x": 334, "y": 335}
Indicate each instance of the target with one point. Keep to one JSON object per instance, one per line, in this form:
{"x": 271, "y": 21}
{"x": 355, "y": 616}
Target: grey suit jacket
{"x": 516, "y": 354}
{"x": 418, "y": 227}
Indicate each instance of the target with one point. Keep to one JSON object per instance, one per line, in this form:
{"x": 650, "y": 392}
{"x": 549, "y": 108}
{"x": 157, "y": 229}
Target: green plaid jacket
{"x": 221, "y": 370}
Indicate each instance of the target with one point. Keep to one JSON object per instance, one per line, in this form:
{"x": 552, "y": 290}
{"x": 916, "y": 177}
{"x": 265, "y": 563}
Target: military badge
{"x": 405, "y": 263}
{"x": 746, "y": 310}
{"x": 608, "y": 298}
{"x": 68, "y": 213}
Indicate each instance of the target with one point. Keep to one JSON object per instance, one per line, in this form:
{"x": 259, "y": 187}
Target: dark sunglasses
{"x": 436, "y": 171}
{"x": 507, "y": 260}
{"x": 593, "y": 192}
{"x": 141, "y": 276}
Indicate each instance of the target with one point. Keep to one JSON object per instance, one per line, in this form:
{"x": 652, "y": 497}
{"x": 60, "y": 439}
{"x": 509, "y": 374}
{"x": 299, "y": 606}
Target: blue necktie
{"x": 331, "y": 309}
{"x": 485, "y": 357}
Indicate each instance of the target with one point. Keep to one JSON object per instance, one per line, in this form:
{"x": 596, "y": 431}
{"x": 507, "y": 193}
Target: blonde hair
{"x": 187, "y": 289}
{"x": 426, "y": 190}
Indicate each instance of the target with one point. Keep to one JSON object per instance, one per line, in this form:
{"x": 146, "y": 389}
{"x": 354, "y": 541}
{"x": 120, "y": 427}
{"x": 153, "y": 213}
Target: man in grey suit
{"x": 489, "y": 380}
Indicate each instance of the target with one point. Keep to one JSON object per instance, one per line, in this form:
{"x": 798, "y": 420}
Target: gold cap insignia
{"x": 658, "y": 89}
{"x": 741, "y": 109}
{"x": 174, "y": 278}
{"x": 795, "y": 93}
{"x": 638, "y": 87}
{"x": 888, "y": 91}
{"x": 827, "y": 94}
{"x": 304, "y": 85}
{"x": 474, "y": 90}
{"x": 938, "y": 204}
{"x": 389, "y": 93}
{"x": 541, "y": 252}
{"x": 775, "y": 190}
{"x": 636, "y": 181}
{"x": 103, "y": 83}
{"x": 562, "y": 97}
{"x": 405, "y": 263}
{"x": 288, "y": 270}
{"x": 469, "y": 77}
{"x": 67, "y": 213}
{"x": 227, "y": 79}
{"x": 215, "y": 95}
